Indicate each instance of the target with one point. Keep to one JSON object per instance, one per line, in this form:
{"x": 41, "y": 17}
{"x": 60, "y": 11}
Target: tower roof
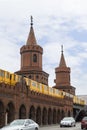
{"x": 62, "y": 60}
{"x": 31, "y": 37}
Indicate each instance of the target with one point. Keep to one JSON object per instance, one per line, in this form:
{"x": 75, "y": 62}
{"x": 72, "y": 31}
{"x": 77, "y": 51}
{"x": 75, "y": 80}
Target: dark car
{"x": 84, "y": 123}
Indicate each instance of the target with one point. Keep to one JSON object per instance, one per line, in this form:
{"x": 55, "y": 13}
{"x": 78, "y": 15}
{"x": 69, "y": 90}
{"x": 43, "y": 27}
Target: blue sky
{"x": 56, "y": 23}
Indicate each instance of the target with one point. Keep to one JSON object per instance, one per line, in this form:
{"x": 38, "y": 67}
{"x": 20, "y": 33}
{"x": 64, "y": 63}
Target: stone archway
{"x": 38, "y": 115}
{"x": 62, "y": 114}
{"x": 54, "y": 116}
{"x": 10, "y": 112}
{"x": 2, "y": 114}
{"x": 80, "y": 115}
{"x": 32, "y": 113}
{"x": 58, "y": 116}
{"x": 22, "y": 112}
{"x": 69, "y": 114}
{"x": 44, "y": 116}
{"x": 50, "y": 116}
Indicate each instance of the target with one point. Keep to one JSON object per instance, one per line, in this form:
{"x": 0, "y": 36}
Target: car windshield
{"x": 67, "y": 119}
{"x": 85, "y": 118}
{"x": 17, "y": 122}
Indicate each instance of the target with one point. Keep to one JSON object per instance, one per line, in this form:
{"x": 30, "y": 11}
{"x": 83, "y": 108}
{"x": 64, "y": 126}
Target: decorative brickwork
{"x": 18, "y": 101}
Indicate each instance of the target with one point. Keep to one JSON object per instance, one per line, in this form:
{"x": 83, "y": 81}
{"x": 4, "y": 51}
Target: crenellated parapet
{"x": 33, "y": 48}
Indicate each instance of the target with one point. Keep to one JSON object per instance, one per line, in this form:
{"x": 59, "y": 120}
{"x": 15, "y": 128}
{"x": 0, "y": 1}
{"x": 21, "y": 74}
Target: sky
{"x": 56, "y": 23}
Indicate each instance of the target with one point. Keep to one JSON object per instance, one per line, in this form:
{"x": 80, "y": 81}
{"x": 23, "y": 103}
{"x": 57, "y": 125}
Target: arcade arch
{"x": 38, "y": 115}
{"x": 22, "y": 112}
{"x": 58, "y": 116}
{"x": 49, "y": 116}
{"x": 54, "y": 116}
{"x": 32, "y": 113}
{"x": 44, "y": 116}
{"x": 80, "y": 115}
{"x": 2, "y": 117}
{"x": 10, "y": 109}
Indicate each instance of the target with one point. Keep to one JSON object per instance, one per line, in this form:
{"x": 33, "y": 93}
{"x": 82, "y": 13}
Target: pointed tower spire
{"x": 31, "y": 38}
{"x": 63, "y": 75}
{"x": 32, "y": 60}
{"x": 62, "y": 60}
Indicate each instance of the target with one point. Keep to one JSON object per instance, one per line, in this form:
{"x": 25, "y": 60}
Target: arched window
{"x": 29, "y": 76}
{"x": 37, "y": 76}
{"x": 34, "y": 58}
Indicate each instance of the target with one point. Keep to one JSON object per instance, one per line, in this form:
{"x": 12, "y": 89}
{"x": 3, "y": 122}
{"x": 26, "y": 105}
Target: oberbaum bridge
{"x": 26, "y": 93}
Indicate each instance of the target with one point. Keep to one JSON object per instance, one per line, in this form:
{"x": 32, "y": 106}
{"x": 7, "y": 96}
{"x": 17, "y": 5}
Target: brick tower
{"x": 31, "y": 59}
{"x": 63, "y": 76}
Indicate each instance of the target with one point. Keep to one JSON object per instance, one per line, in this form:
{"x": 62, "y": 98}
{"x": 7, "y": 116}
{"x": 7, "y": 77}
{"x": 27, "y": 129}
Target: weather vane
{"x": 62, "y": 48}
{"x": 31, "y": 20}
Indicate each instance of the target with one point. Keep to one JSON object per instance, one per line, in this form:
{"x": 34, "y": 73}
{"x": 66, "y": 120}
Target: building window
{"x": 29, "y": 76}
{"x": 34, "y": 58}
{"x": 68, "y": 90}
{"x": 37, "y": 76}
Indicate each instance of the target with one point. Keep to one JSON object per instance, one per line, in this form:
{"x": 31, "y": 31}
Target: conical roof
{"x": 62, "y": 59}
{"x": 31, "y": 37}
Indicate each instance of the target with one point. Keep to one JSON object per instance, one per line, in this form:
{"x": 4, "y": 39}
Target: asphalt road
{"x": 57, "y": 127}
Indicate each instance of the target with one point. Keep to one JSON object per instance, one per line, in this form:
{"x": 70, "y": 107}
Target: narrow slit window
{"x": 34, "y": 58}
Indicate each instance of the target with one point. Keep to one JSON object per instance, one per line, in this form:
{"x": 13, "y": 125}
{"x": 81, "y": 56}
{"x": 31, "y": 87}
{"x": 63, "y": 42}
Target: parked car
{"x": 84, "y": 123}
{"x": 67, "y": 121}
{"x": 21, "y": 124}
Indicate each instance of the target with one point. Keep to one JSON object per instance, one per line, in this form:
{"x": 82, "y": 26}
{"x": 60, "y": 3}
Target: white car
{"x": 21, "y": 124}
{"x": 67, "y": 121}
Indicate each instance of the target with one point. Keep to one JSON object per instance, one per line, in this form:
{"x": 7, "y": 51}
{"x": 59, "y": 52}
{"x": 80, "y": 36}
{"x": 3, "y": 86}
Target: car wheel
{"x": 71, "y": 124}
{"x": 81, "y": 127}
{"x": 60, "y": 125}
{"x": 36, "y": 128}
{"x": 74, "y": 125}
